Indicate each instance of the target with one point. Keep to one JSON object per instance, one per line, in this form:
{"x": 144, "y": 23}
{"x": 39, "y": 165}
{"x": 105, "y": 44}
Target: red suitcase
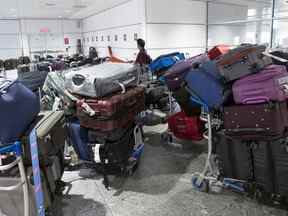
{"x": 184, "y": 127}
{"x": 217, "y": 51}
{"x": 110, "y": 106}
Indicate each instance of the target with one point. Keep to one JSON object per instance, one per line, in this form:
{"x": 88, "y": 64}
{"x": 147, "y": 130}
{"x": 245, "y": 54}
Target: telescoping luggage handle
{"x": 125, "y": 83}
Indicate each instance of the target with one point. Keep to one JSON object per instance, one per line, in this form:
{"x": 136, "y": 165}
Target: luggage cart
{"x": 209, "y": 179}
{"x": 16, "y": 149}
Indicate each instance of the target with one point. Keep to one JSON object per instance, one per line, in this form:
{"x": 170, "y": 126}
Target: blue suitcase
{"x": 79, "y": 140}
{"x": 206, "y": 84}
{"x": 19, "y": 107}
{"x": 164, "y": 62}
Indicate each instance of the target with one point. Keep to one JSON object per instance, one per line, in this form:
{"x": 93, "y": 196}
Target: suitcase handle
{"x": 260, "y": 99}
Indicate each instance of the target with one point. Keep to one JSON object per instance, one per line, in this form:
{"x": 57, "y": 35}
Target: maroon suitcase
{"x": 175, "y": 75}
{"x": 107, "y": 107}
{"x": 256, "y": 122}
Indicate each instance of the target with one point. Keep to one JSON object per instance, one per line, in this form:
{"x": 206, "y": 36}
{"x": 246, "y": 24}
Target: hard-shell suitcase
{"x": 115, "y": 105}
{"x": 271, "y": 166}
{"x": 242, "y": 61}
{"x": 271, "y": 84}
{"x": 164, "y": 62}
{"x": 184, "y": 127}
{"x": 233, "y": 157}
{"x": 174, "y": 77}
{"x": 187, "y": 106}
{"x": 101, "y": 80}
{"x": 51, "y": 135}
{"x": 205, "y": 84}
{"x": 78, "y": 137}
{"x": 33, "y": 79}
{"x": 111, "y": 124}
{"x": 256, "y": 122}
{"x": 18, "y": 108}
{"x": 217, "y": 51}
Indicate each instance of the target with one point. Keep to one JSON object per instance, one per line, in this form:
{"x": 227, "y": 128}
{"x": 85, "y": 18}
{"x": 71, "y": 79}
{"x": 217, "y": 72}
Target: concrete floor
{"x": 160, "y": 187}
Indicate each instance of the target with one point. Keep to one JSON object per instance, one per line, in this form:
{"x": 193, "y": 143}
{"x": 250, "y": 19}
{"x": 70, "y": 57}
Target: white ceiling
{"x": 75, "y": 9}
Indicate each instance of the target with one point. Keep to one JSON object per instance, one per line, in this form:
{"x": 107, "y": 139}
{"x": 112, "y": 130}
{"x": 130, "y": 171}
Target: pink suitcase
{"x": 271, "y": 84}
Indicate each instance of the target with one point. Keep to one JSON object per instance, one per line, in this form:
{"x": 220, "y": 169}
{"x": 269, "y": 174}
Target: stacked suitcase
{"x": 108, "y": 102}
{"x": 250, "y": 94}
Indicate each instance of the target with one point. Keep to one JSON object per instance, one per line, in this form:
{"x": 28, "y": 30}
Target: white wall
{"x": 126, "y": 18}
{"x": 178, "y": 27}
{"x": 23, "y": 36}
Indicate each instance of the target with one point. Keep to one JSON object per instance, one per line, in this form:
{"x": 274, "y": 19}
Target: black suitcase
{"x": 271, "y": 166}
{"x": 24, "y": 60}
{"x": 233, "y": 157}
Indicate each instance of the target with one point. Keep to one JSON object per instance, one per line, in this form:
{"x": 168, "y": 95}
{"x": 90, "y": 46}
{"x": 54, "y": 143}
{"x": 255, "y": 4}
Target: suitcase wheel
{"x": 203, "y": 186}
{"x": 166, "y": 138}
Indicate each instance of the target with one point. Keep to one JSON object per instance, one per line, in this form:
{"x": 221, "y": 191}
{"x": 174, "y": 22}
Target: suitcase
{"x": 271, "y": 84}
{"x": 58, "y": 65}
{"x": 15, "y": 96}
{"x": 115, "y": 105}
{"x": 101, "y": 80}
{"x": 78, "y": 137}
{"x": 23, "y": 68}
{"x": 205, "y": 84}
{"x": 33, "y": 79}
{"x": 217, "y": 51}
{"x": 164, "y": 62}
{"x": 10, "y": 64}
{"x": 24, "y": 60}
{"x": 44, "y": 67}
{"x": 154, "y": 92}
{"x": 271, "y": 166}
{"x": 175, "y": 75}
{"x": 184, "y": 127}
{"x": 187, "y": 106}
{"x": 256, "y": 122}
{"x": 233, "y": 157}
{"x": 51, "y": 136}
{"x": 242, "y": 61}
{"x": 119, "y": 121}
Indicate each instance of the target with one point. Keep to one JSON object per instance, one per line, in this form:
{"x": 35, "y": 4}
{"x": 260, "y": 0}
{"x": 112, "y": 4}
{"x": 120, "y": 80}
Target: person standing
{"x": 142, "y": 58}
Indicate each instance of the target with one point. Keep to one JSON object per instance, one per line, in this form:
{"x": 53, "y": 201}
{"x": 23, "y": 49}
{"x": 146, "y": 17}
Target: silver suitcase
{"x": 102, "y": 80}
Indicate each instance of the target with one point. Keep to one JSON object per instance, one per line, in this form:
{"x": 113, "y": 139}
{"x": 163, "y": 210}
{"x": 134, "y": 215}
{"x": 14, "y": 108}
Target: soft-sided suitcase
{"x": 205, "y": 84}
{"x": 176, "y": 74}
{"x": 242, "y": 61}
{"x": 257, "y": 121}
{"x": 78, "y": 137}
{"x": 51, "y": 135}
{"x": 101, "y": 80}
{"x": 33, "y": 79}
{"x": 115, "y": 105}
{"x": 233, "y": 157}
{"x": 119, "y": 121}
{"x": 164, "y": 62}
{"x": 271, "y": 166}
{"x": 217, "y": 51}
{"x": 184, "y": 127}
{"x": 271, "y": 84}
{"x": 187, "y": 106}
{"x": 18, "y": 108}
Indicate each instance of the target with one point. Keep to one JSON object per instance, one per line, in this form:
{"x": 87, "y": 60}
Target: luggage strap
{"x": 36, "y": 174}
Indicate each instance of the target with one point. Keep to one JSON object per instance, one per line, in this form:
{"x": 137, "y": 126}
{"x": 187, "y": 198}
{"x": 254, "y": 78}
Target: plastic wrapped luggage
{"x": 271, "y": 84}
{"x": 174, "y": 77}
{"x": 101, "y": 80}
{"x": 206, "y": 84}
{"x": 233, "y": 157}
{"x": 33, "y": 79}
{"x": 164, "y": 62}
{"x": 51, "y": 135}
{"x": 217, "y": 51}
{"x": 184, "y": 127}
{"x": 15, "y": 96}
{"x": 256, "y": 122}
{"x": 271, "y": 166}
{"x": 242, "y": 61}
{"x": 115, "y": 105}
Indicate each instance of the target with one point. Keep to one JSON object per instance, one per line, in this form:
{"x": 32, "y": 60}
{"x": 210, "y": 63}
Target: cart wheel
{"x": 203, "y": 187}
{"x": 165, "y": 138}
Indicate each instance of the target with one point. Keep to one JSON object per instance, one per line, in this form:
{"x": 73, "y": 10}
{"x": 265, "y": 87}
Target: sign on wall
{"x": 66, "y": 41}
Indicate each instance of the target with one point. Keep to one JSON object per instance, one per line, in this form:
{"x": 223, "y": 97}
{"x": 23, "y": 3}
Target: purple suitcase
{"x": 271, "y": 84}
{"x": 175, "y": 75}
{"x": 256, "y": 121}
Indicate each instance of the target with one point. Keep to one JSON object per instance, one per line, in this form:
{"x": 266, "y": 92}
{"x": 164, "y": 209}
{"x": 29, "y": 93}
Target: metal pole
{"x": 207, "y": 26}
{"x": 272, "y": 24}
